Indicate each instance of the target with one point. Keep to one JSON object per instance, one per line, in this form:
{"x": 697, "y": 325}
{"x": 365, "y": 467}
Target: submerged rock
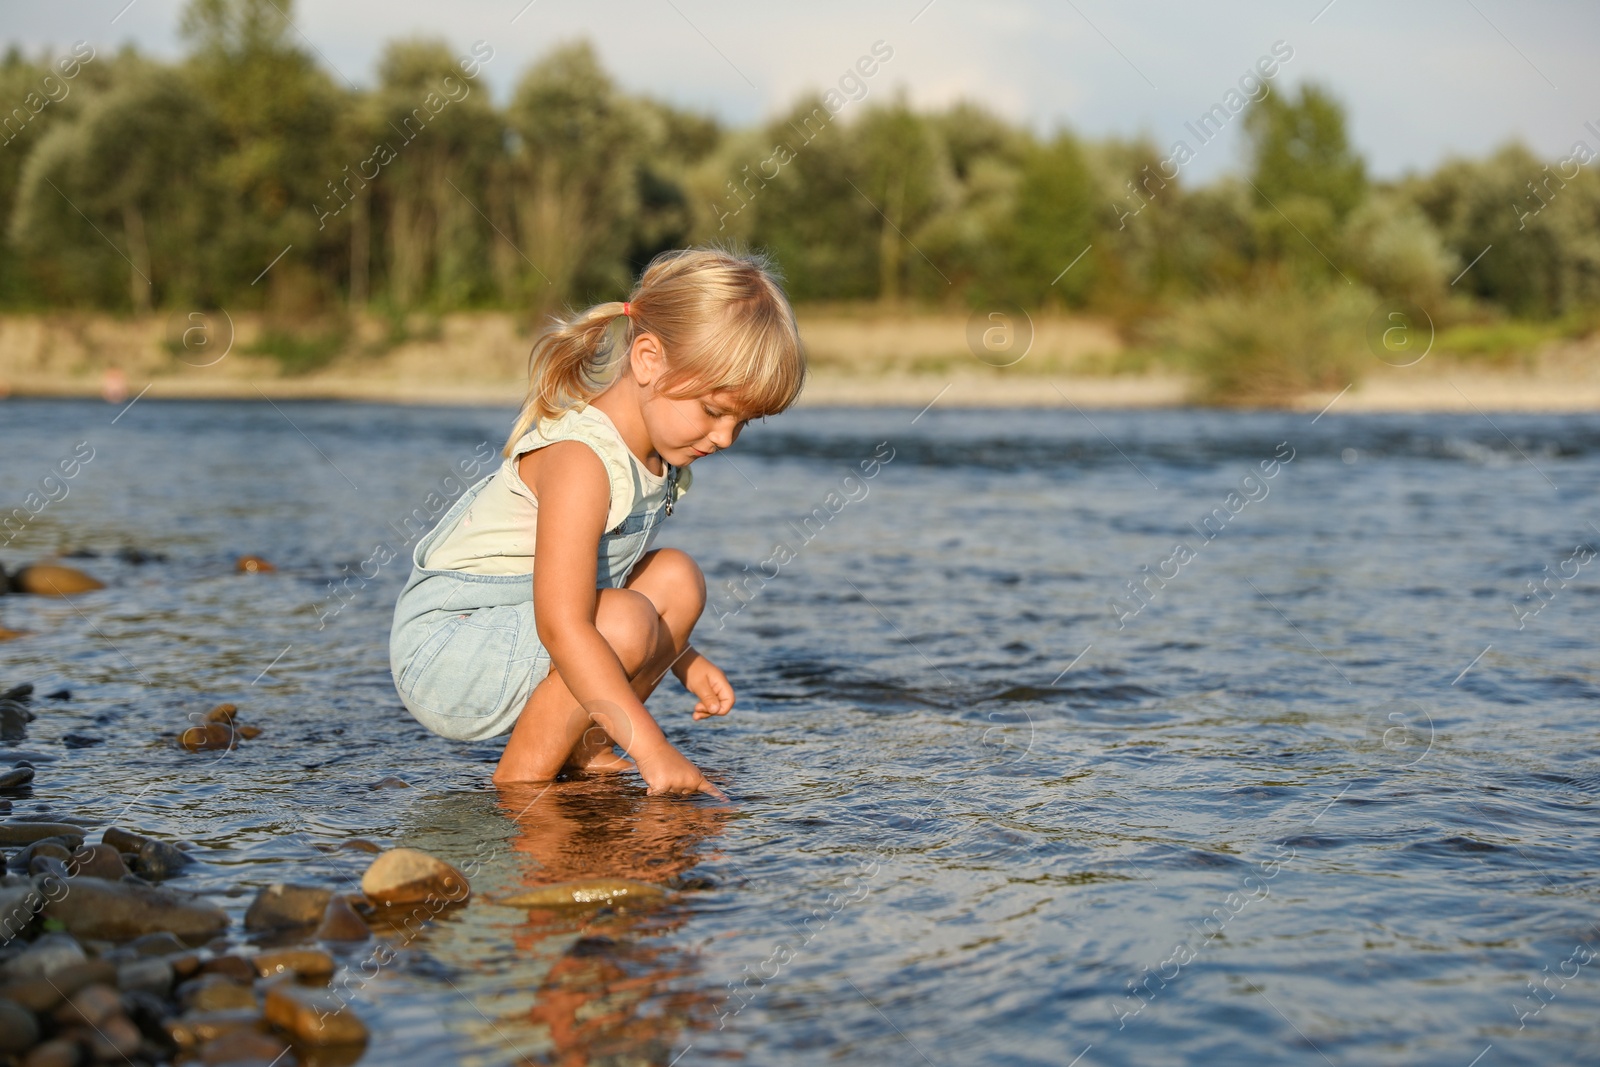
{"x": 207, "y": 737}
{"x": 253, "y": 565}
{"x": 193, "y": 1029}
{"x": 588, "y": 891}
{"x": 314, "y": 1016}
{"x": 411, "y": 876}
{"x": 281, "y": 905}
{"x": 119, "y": 911}
{"x": 16, "y": 777}
{"x": 157, "y": 859}
{"x": 51, "y": 579}
{"x": 390, "y": 782}
{"x": 14, "y": 720}
{"x": 223, "y": 713}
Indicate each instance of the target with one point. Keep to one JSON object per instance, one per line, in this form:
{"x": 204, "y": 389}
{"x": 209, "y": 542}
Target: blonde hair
{"x": 724, "y": 324}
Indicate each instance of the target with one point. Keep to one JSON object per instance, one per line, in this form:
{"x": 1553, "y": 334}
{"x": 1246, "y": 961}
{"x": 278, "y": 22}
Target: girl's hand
{"x": 707, "y": 682}
{"x": 670, "y": 774}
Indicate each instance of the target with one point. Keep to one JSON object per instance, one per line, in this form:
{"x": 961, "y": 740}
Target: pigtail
{"x": 569, "y": 365}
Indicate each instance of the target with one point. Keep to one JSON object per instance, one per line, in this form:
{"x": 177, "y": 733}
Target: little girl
{"x": 563, "y": 651}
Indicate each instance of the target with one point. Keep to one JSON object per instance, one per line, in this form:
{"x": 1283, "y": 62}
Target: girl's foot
{"x": 601, "y": 763}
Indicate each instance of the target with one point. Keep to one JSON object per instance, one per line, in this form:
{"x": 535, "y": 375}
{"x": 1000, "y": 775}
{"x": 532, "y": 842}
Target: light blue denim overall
{"x": 464, "y": 649}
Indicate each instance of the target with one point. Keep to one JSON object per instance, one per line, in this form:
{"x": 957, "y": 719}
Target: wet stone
{"x": 119, "y": 911}
{"x": 195, "y": 1028}
{"x": 16, "y": 777}
{"x": 98, "y": 861}
{"x": 207, "y": 738}
{"x": 390, "y": 782}
{"x": 341, "y": 923}
{"x": 46, "y": 956}
{"x": 236, "y": 968}
{"x": 123, "y": 840}
{"x": 280, "y": 905}
{"x": 160, "y": 943}
{"x": 248, "y": 732}
{"x": 253, "y": 565}
{"x": 146, "y": 975}
{"x": 215, "y": 992}
{"x": 92, "y": 1005}
{"x": 307, "y": 964}
{"x": 223, "y": 713}
{"x": 157, "y": 859}
{"x": 48, "y": 867}
{"x": 68, "y": 980}
{"x": 35, "y": 994}
{"x": 50, "y": 846}
{"x": 48, "y": 579}
{"x": 57, "y": 1052}
{"x": 247, "y": 1046}
{"x": 313, "y": 1016}
{"x": 361, "y": 844}
{"x": 14, "y": 720}
{"x": 18, "y": 1028}
{"x": 408, "y": 875}
{"x": 20, "y": 832}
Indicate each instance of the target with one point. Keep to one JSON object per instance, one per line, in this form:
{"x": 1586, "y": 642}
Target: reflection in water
{"x": 614, "y": 995}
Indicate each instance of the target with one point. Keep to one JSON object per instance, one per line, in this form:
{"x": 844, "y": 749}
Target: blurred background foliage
{"x": 153, "y": 185}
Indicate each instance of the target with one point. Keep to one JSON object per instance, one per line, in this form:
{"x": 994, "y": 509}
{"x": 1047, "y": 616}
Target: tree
{"x": 1300, "y": 149}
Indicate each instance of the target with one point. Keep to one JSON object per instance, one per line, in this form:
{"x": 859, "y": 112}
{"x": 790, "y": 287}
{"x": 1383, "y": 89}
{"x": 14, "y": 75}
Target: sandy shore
{"x": 914, "y": 361}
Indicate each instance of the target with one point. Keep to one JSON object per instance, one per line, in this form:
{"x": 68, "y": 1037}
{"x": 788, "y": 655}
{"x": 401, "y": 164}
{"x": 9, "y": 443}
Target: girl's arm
{"x": 574, "y": 495}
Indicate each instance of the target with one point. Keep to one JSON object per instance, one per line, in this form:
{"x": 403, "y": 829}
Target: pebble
{"x": 159, "y": 943}
{"x": 92, "y": 1005}
{"x": 57, "y": 1052}
{"x": 17, "y": 832}
{"x": 236, "y": 968}
{"x": 341, "y": 923}
{"x": 14, "y": 720}
{"x": 207, "y": 738}
{"x": 247, "y": 1046}
{"x": 18, "y": 1028}
{"x": 215, "y": 992}
{"x": 253, "y": 565}
{"x": 123, "y": 840}
{"x": 98, "y": 861}
{"x": 195, "y": 1028}
{"x": 157, "y": 859}
{"x": 50, "y": 579}
{"x": 409, "y": 875}
{"x": 390, "y": 782}
{"x": 49, "y": 846}
{"x": 118, "y": 911}
{"x": 590, "y": 891}
{"x": 360, "y": 844}
{"x": 314, "y": 1016}
{"x": 16, "y": 777}
{"x": 223, "y": 713}
{"x": 280, "y": 905}
{"x": 147, "y": 975}
{"x": 308, "y": 964}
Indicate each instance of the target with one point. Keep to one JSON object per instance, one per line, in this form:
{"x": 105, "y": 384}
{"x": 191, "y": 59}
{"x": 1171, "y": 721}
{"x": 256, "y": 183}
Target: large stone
{"x": 16, "y": 777}
{"x": 97, "y": 861}
{"x": 313, "y": 1016}
{"x": 92, "y": 1005}
{"x": 411, "y": 876}
{"x": 18, "y": 1028}
{"x": 281, "y": 905}
{"x": 307, "y": 964}
{"x": 57, "y": 1052}
{"x": 50, "y": 579}
{"x": 341, "y": 923}
{"x": 18, "y": 832}
{"x": 123, "y": 840}
{"x": 14, "y": 720}
{"x": 587, "y": 892}
{"x": 118, "y": 911}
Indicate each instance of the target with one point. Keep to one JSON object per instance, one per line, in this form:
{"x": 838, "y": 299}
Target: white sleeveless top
{"x": 496, "y": 534}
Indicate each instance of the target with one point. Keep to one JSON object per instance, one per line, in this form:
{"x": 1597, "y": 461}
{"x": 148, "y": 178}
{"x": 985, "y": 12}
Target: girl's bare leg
{"x": 648, "y": 625}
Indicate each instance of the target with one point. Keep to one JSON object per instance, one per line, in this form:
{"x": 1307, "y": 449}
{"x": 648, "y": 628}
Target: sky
{"x": 1423, "y": 80}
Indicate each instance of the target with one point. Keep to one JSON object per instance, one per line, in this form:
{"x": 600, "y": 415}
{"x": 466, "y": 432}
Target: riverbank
{"x": 860, "y": 357}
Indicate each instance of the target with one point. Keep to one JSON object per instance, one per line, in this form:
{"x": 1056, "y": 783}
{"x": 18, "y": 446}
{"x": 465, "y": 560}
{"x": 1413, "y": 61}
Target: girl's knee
{"x": 678, "y": 573}
{"x": 628, "y": 621}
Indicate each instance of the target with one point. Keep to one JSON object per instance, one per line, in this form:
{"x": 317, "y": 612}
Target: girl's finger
{"x": 707, "y": 787}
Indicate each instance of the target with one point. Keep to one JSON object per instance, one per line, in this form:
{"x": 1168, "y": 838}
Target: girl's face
{"x": 684, "y": 430}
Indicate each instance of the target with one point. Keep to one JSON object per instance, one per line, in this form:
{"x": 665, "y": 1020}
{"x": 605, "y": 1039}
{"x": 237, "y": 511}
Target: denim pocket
{"x": 462, "y": 667}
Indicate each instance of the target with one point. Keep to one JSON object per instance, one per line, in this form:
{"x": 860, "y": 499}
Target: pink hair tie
{"x": 627, "y": 309}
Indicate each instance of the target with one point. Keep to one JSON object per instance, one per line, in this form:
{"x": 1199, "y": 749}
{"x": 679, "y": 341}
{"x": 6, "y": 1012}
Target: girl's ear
{"x": 646, "y": 359}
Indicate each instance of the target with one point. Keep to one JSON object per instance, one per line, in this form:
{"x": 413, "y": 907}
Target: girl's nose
{"x": 722, "y": 437}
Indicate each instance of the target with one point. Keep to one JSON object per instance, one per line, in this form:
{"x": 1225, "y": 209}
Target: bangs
{"x": 754, "y": 355}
